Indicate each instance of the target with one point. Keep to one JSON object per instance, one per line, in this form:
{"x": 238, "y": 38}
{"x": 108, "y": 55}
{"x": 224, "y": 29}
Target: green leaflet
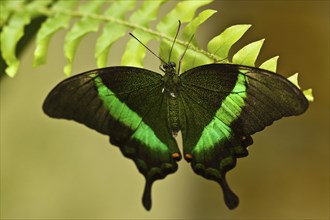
{"x": 10, "y": 36}
{"x": 183, "y": 11}
{"x": 48, "y": 29}
{"x": 147, "y": 12}
{"x": 79, "y": 30}
{"x": 309, "y": 95}
{"x": 294, "y": 79}
{"x": 128, "y": 117}
{"x": 270, "y": 64}
{"x": 111, "y": 31}
{"x": 14, "y": 30}
{"x": 221, "y": 44}
{"x": 135, "y": 52}
{"x": 192, "y": 58}
{"x": 6, "y": 10}
{"x": 248, "y": 54}
{"x": 191, "y": 28}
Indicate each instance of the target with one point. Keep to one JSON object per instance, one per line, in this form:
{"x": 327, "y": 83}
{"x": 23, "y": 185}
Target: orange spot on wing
{"x": 176, "y": 156}
{"x": 188, "y": 157}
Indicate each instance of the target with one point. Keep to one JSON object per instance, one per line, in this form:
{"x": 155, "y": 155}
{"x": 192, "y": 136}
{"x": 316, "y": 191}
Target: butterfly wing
{"x": 127, "y": 104}
{"x": 221, "y": 105}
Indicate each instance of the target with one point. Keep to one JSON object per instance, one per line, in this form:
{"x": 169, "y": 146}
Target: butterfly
{"x": 217, "y": 107}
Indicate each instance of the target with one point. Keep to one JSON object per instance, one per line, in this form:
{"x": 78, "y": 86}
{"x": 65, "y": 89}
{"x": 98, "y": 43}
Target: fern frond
{"x": 85, "y": 18}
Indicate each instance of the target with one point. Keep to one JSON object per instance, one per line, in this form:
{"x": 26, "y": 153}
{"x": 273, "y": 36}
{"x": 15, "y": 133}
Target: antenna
{"x": 184, "y": 53}
{"x": 169, "y": 57}
{"x": 147, "y": 48}
{"x": 176, "y": 35}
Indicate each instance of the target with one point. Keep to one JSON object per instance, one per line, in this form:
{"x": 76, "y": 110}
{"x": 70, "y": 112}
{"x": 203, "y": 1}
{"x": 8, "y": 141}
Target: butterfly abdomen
{"x": 171, "y": 85}
{"x": 173, "y": 114}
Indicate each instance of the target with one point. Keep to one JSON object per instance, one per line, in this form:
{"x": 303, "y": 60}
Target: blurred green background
{"x": 57, "y": 169}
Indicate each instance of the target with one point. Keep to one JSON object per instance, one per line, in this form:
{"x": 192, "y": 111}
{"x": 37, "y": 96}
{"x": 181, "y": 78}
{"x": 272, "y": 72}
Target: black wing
{"x": 127, "y": 104}
{"x": 221, "y": 105}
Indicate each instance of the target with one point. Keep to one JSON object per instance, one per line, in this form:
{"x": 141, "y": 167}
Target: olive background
{"x": 58, "y": 169}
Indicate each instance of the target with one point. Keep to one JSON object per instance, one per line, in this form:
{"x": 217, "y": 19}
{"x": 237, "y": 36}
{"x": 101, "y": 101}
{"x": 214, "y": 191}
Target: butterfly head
{"x": 168, "y": 68}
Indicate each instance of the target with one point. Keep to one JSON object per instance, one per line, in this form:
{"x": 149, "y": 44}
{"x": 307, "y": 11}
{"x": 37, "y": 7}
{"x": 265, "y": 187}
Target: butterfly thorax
{"x": 171, "y": 89}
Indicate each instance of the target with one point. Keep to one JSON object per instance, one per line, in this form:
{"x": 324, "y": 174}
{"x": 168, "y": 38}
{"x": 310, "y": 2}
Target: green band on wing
{"x": 121, "y": 112}
{"x": 219, "y": 128}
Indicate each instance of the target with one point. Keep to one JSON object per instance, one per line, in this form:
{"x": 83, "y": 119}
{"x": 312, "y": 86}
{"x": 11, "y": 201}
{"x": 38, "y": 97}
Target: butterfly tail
{"x": 146, "y": 198}
{"x": 231, "y": 199}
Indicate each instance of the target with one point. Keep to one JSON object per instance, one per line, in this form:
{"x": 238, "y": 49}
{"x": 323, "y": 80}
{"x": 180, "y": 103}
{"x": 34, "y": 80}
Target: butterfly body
{"x": 217, "y": 107}
{"x": 171, "y": 88}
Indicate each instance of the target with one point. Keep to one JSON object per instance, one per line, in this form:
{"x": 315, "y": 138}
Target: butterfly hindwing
{"x": 127, "y": 104}
{"x": 221, "y": 106}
